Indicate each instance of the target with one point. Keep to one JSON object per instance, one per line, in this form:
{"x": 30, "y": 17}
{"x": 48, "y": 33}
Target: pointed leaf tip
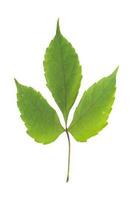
{"x": 114, "y": 73}
{"x": 58, "y": 27}
{"x": 116, "y": 70}
{"x": 16, "y": 82}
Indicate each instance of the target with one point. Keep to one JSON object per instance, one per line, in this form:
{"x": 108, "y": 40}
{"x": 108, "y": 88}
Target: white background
{"x": 102, "y": 33}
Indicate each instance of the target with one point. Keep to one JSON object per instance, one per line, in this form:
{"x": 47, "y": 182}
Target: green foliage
{"x": 93, "y": 110}
{"x": 40, "y": 118}
{"x": 63, "y": 75}
{"x": 62, "y": 72}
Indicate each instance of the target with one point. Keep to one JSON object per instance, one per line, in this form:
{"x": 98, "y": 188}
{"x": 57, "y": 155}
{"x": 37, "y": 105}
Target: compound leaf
{"x": 94, "y": 108}
{"x": 40, "y": 118}
{"x": 63, "y": 76}
{"x": 62, "y": 72}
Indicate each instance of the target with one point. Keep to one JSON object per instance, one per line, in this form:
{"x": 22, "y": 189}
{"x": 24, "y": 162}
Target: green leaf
{"x": 94, "y": 108}
{"x": 62, "y": 72}
{"x": 63, "y": 76}
{"x": 40, "y": 118}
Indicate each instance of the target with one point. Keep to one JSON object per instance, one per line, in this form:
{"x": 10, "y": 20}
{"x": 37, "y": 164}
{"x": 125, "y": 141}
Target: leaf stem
{"x": 69, "y": 153}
